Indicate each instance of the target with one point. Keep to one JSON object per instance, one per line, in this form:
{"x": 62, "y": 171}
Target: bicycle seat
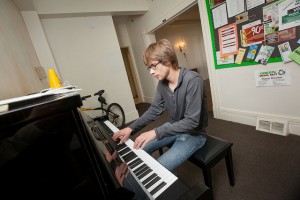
{"x": 99, "y": 93}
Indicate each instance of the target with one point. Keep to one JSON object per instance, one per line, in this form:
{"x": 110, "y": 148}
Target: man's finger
{"x": 143, "y": 144}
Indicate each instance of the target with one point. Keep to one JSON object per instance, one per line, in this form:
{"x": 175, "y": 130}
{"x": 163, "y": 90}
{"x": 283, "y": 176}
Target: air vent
{"x": 272, "y": 126}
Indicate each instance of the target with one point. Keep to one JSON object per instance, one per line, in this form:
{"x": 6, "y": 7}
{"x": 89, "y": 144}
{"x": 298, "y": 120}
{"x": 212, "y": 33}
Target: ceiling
{"x": 190, "y": 16}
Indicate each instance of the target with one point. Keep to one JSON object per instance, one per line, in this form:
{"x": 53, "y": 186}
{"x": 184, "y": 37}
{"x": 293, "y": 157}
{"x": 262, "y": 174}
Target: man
{"x": 180, "y": 92}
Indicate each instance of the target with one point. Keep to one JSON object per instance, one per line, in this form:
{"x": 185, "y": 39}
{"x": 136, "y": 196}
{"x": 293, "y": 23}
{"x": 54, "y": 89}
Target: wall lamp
{"x": 181, "y": 46}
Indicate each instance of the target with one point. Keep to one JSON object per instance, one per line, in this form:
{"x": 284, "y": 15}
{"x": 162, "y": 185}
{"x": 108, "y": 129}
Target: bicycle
{"x": 114, "y": 112}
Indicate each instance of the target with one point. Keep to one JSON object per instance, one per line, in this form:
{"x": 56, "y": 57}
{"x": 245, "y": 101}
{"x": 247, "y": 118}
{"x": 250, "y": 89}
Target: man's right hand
{"x": 123, "y": 134}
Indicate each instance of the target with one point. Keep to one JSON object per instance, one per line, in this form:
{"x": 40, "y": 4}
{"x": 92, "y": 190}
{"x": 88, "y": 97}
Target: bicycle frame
{"x": 107, "y": 110}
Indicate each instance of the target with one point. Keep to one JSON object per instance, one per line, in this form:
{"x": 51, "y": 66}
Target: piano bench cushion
{"x": 214, "y": 150}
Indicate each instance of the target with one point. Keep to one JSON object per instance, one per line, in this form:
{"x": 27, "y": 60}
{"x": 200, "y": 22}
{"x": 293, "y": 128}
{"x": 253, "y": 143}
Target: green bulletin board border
{"x": 271, "y": 60}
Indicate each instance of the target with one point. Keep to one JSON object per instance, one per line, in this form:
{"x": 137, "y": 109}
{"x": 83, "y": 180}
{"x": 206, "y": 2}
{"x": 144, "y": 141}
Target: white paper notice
{"x": 253, "y": 3}
{"x": 273, "y": 77}
{"x": 235, "y": 7}
{"x": 220, "y": 16}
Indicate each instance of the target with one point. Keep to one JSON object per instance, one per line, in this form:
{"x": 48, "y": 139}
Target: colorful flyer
{"x": 251, "y": 53}
{"x": 289, "y": 14}
{"x": 285, "y": 51}
{"x": 243, "y": 17}
{"x": 228, "y": 40}
{"x": 270, "y": 17}
{"x": 281, "y": 36}
{"x": 264, "y": 54}
{"x": 240, "y": 56}
{"x": 295, "y": 55}
{"x": 225, "y": 59}
{"x": 214, "y": 3}
{"x": 252, "y": 35}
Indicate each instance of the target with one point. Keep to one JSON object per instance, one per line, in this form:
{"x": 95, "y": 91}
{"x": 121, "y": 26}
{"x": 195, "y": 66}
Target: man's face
{"x": 158, "y": 70}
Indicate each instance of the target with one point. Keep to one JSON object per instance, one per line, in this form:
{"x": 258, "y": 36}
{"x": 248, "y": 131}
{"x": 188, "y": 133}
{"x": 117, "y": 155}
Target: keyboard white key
{"x": 166, "y": 178}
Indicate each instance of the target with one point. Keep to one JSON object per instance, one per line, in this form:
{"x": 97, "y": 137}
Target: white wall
{"x": 124, "y": 41}
{"x": 87, "y": 53}
{"x": 138, "y": 26}
{"x": 17, "y": 55}
{"x": 39, "y": 41}
{"x": 191, "y": 35}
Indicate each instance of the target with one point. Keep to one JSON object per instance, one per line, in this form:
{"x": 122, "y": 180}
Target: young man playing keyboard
{"x": 181, "y": 93}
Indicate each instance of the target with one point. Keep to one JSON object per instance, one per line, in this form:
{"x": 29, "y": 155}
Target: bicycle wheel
{"x": 116, "y": 115}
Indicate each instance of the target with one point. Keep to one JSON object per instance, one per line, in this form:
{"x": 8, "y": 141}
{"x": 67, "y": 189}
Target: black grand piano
{"x": 50, "y": 149}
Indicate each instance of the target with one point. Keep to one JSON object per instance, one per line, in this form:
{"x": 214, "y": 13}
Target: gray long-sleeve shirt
{"x": 187, "y": 107}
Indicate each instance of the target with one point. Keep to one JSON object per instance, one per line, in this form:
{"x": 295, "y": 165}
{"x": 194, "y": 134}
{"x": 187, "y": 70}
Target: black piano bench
{"x": 214, "y": 150}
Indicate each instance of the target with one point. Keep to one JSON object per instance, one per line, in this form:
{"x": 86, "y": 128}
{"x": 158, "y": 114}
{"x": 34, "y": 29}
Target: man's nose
{"x": 151, "y": 71}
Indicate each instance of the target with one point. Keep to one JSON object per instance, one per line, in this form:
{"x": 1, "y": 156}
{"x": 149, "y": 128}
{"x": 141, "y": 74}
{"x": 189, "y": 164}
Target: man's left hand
{"x": 143, "y": 139}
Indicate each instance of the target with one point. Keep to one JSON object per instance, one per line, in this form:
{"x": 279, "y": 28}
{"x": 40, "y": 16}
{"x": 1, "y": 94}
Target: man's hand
{"x": 143, "y": 139}
{"x": 123, "y": 134}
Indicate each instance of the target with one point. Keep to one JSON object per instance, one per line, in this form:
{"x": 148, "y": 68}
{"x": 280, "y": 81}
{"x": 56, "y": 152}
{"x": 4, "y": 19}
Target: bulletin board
{"x": 239, "y": 22}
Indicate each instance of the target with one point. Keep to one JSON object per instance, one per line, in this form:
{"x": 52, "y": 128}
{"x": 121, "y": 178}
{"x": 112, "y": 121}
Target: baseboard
{"x": 250, "y": 118}
{"x": 148, "y": 99}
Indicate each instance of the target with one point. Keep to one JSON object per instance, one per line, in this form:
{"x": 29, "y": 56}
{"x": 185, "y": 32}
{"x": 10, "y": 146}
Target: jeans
{"x": 184, "y": 145}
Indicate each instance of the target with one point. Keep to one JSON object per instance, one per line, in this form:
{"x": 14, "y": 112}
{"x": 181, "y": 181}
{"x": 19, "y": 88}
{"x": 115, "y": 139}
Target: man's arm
{"x": 154, "y": 111}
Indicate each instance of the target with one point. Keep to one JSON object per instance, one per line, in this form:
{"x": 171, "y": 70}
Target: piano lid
{"x": 34, "y": 108}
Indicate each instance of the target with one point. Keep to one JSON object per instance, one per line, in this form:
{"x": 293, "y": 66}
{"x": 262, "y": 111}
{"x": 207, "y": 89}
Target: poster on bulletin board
{"x": 251, "y": 32}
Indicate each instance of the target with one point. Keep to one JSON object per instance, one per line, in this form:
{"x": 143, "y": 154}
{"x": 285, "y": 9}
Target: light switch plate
{"x": 41, "y": 72}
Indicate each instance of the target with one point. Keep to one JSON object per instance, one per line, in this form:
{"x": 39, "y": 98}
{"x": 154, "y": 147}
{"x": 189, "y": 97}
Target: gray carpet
{"x": 266, "y": 166}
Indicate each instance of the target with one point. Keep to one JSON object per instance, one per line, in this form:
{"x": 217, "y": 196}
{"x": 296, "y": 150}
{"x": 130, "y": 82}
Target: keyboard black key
{"x": 152, "y": 182}
{"x": 130, "y": 157}
{"x": 149, "y": 178}
{"x": 139, "y": 161}
{"x": 139, "y": 168}
{"x": 145, "y": 173}
{"x": 121, "y": 146}
{"x": 124, "y": 151}
{"x": 142, "y": 171}
{"x": 161, "y": 185}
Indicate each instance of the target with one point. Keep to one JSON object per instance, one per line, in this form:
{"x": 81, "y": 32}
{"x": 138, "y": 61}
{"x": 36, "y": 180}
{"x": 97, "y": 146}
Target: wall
{"x": 124, "y": 41}
{"x": 191, "y": 35}
{"x": 17, "y": 55}
{"x": 138, "y": 26}
{"x": 79, "y": 41}
{"x": 235, "y": 96}
{"x": 89, "y": 61}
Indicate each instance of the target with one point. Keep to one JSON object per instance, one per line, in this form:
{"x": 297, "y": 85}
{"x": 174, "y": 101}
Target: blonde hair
{"x": 161, "y": 51}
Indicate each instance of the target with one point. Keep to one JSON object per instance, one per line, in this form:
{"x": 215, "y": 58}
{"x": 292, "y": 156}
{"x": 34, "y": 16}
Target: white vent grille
{"x": 272, "y": 126}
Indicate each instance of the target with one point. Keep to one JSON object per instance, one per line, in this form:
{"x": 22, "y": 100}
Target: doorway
{"x": 185, "y": 34}
{"x": 131, "y": 77}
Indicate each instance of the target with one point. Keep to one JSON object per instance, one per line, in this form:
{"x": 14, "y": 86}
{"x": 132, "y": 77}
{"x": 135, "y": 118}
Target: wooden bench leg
{"x": 229, "y": 166}
{"x": 207, "y": 177}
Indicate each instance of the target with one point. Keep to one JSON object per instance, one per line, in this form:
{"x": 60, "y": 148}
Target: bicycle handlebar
{"x": 85, "y": 97}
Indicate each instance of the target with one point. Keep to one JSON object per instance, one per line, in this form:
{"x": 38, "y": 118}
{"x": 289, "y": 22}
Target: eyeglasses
{"x": 153, "y": 66}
